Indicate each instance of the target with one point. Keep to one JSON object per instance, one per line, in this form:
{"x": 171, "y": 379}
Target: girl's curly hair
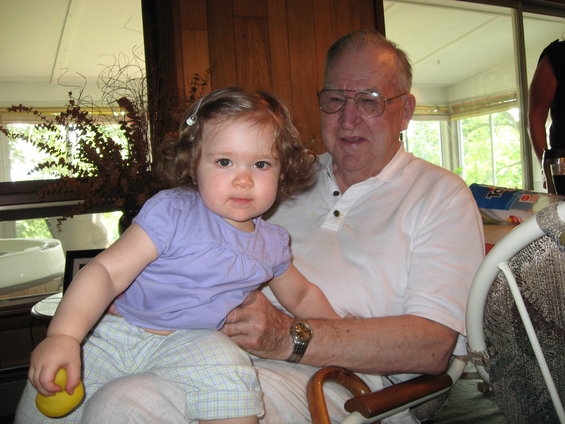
{"x": 181, "y": 156}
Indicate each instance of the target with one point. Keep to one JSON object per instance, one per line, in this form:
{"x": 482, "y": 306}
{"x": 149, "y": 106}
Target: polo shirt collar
{"x": 392, "y": 171}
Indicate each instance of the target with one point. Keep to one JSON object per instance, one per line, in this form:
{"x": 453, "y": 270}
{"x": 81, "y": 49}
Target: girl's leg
{"x": 142, "y": 399}
{"x": 101, "y": 363}
{"x": 216, "y": 376}
{"x": 245, "y": 420}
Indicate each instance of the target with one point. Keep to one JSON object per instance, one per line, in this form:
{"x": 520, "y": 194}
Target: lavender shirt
{"x": 206, "y": 267}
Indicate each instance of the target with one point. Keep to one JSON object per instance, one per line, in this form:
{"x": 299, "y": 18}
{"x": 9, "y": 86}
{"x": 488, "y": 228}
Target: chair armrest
{"x": 315, "y": 390}
{"x": 376, "y": 403}
{"x": 371, "y": 404}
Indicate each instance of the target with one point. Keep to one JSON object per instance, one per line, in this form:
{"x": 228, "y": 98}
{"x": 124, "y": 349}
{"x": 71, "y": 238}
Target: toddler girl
{"x": 192, "y": 254}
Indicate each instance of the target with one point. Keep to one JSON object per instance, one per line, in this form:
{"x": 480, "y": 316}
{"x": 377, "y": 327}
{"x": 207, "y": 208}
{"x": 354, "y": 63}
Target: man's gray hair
{"x": 367, "y": 37}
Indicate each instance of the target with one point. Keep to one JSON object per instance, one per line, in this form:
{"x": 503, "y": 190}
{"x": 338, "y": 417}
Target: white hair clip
{"x": 191, "y": 120}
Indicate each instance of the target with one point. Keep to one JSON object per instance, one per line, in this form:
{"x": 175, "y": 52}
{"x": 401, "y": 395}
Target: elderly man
{"x": 390, "y": 239}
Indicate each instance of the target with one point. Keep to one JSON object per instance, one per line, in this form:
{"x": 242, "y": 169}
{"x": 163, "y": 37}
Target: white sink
{"x": 29, "y": 260}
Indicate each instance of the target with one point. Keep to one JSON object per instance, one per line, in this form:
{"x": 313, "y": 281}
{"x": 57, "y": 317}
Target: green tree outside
{"x": 489, "y": 147}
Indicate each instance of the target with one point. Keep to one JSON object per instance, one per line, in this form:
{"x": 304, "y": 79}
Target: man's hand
{"x": 260, "y": 328}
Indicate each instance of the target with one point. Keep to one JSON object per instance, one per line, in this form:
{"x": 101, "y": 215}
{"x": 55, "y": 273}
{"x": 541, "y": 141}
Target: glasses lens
{"x": 331, "y": 101}
{"x": 370, "y": 103}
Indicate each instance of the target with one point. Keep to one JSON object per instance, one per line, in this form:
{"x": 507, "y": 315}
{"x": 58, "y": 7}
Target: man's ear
{"x": 408, "y": 111}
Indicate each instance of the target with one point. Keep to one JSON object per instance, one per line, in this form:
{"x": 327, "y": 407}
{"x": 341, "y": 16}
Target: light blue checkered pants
{"x": 216, "y": 375}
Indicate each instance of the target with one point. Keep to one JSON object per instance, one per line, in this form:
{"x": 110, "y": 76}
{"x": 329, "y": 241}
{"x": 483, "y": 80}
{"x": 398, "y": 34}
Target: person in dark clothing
{"x": 547, "y": 93}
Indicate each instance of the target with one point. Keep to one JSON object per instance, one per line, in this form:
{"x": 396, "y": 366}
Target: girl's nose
{"x": 243, "y": 180}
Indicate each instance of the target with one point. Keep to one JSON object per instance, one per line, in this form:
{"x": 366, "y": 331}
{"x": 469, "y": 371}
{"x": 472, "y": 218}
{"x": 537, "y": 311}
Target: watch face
{"x": 302, "y": 331}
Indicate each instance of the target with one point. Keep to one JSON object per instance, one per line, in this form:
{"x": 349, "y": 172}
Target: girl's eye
{"x": 262, "y": 164}
{"x": 223, "y": 162}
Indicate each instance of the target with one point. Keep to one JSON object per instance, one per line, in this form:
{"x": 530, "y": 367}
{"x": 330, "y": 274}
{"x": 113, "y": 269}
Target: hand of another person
{"x": 260, "y": 328}
{"x": 54, "y": 352}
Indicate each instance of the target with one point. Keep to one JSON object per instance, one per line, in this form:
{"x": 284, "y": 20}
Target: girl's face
{"x": 238, "y": 172}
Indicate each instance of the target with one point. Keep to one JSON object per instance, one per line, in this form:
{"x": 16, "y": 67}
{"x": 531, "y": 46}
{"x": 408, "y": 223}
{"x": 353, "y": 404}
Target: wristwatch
{"x": 301, "y": 335}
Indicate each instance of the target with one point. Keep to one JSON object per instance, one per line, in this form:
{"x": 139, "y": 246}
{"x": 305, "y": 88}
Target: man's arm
{"x": 387, "y": 345}
{"x": 542, "y": 92}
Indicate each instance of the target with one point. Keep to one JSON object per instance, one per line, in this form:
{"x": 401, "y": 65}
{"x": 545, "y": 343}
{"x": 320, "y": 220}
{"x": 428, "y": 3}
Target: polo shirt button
{"x": 336, "y": 213}
{"x": 336, "y": 193}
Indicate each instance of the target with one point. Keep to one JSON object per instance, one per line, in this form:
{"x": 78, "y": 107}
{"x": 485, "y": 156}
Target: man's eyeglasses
{"x": 370, "y": 103}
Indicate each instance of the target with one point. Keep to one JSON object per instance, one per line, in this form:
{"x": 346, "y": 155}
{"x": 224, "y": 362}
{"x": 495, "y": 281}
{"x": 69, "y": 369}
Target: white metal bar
{"x": 533, "y": 340}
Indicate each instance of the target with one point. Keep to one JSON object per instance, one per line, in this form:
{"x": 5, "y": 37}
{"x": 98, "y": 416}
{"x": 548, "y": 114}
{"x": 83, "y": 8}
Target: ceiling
{"x": 450, "y": 41}
{"x": 47, "y": 44}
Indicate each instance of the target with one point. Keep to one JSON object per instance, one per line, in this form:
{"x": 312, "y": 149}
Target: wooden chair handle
{"x": 365, "y": 402}
{"x": 315, "y": 390}
{"x": 375, "y": 403}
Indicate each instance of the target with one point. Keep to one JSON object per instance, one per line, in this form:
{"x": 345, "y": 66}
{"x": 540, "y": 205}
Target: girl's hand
{"x": 54, "y": 352}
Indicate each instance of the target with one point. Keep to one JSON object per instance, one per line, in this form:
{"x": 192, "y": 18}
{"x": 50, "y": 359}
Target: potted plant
{"x": 105, "y": 166}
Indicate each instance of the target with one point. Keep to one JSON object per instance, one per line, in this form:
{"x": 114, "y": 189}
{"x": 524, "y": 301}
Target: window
{"x": 468, "y": 117}
{"x": 423, "y": 138}
{"x": 490, "y": 149}
{"x": 78, "y": 41}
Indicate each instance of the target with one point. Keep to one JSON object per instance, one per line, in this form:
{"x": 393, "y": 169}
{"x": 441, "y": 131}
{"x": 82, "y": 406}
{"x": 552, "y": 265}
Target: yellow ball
{"x": 61, "y": 403}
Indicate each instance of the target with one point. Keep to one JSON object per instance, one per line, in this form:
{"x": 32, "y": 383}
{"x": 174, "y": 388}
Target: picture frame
{"x": 74, "y": 261}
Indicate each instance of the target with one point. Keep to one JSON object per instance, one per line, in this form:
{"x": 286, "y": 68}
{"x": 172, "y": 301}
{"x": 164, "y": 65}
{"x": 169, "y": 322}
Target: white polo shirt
{"x": 407, "y": 241}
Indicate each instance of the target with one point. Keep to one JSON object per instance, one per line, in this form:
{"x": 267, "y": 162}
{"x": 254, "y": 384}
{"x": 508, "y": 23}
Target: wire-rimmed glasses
{"x": 370, "y": 103}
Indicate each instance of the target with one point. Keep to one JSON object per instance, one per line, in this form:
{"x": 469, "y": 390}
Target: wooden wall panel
{"x": 250, "y": 8}
{"x": 276, "y": 45}
{"x": 252, "y": 53}
{"x": 279, "y": 48}
{"x": 195, "y": 57}
{"x": 303, "y": 67}
{"x": 223, "y": 64}
{"x": 193, "y": 14}
{"x": 368, "y": 15}
{"x": 325, "y": 34}
{"x": 345, "y": 16}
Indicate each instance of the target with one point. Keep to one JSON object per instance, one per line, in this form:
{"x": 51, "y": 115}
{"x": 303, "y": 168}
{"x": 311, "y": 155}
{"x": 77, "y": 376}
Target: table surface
{"x": 45, "y": 309}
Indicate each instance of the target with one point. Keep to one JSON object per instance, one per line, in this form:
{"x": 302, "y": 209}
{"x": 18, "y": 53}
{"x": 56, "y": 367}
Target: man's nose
{"x": 350, "y": 114}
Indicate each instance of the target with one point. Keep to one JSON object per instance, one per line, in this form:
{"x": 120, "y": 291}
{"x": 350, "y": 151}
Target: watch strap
{"x": 300, "y": 342}
{"x": 297, "y": 352}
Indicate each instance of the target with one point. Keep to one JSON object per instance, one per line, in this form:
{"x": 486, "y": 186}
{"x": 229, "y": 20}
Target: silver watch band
{"x": 297, "y": 352}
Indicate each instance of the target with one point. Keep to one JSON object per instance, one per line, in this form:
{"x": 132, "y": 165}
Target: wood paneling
{"x": 223, "y": 65}
{"x": 193, "y": 14}
{"x": 280, "y": 52}
{"x": 195, "y": 58}
{"x": 346, "y": 16}
{"x": 369, "y": 18}
{"x": 250, "y": 8}
{"x": 303, "y": 67}
{"x": 325, "y": 34}
{"x": 251, "y": 36}
{"x": 275, "y": 45}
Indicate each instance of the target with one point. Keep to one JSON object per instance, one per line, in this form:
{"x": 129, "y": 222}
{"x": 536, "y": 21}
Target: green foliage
{"x": 491, "y": 150}
{"x": 32, "y": 228}
{"x": 103, "y": 154}
{"x": 424, "y": 140}
{"x": 490, "y": 147}
{"x": 99, "y": 169}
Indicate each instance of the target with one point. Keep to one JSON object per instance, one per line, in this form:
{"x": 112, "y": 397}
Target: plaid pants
{"x": 214, "y": 373}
